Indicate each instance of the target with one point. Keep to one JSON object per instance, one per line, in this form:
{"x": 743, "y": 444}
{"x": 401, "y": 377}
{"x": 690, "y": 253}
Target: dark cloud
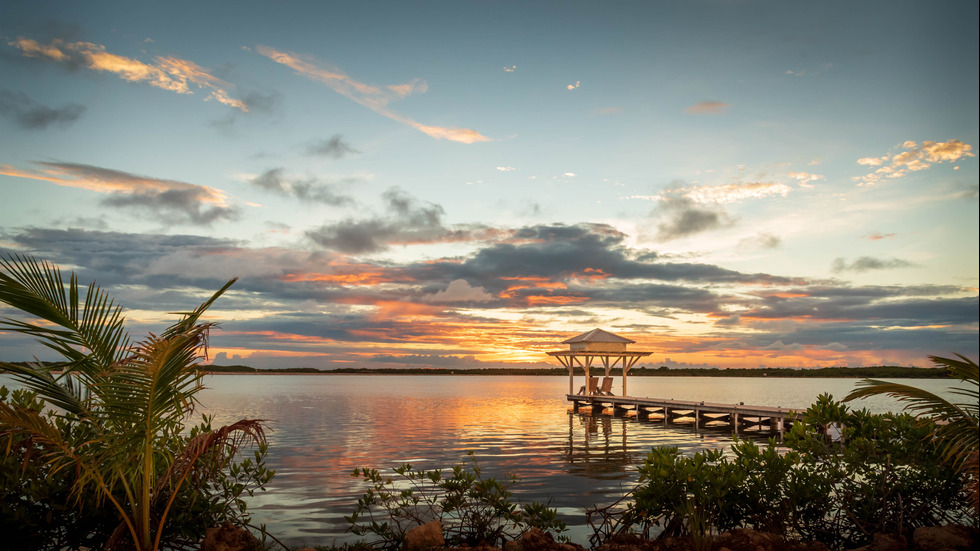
{"x": 762, "y": 241}
{"x": 173, "y": 206}
{"x": 879, "y": 306}
{"x": 868, "y": 263}
{"x": 566, "y": 269}
{"x": 589, "y": 251}
{"x": 120, "y": 257}
{"x": 32, "y": 115}
{"x": 405, "y": 221}
{"x": 332, "y": 148}
{"x": 864, "y": 334}
{"x": 681, "y": 217}
{"x": 733, "y": 319}
{"x": 167, "y": 201}
{"x": 305, "y": 190}
{"x": 967, "y": 191}
{"x": 260, "y": 103}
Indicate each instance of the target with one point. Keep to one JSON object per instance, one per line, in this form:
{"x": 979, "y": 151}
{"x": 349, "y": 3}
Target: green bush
{"x": 114, "y": 439}
{"x": 41, "y": 509}
{"x": 884, "y": 475}
{"x": 472, "y": 508}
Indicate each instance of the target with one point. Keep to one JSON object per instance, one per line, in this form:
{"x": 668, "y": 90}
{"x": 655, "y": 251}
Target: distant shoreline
{"x": 876, "y": 372}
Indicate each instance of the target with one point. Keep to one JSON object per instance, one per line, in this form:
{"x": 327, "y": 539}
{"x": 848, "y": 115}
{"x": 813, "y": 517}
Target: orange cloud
{"x": 104, "y": 180}
{"x": 538, "y": 300}
{"x": 167, "y": 73}
{"x": 708, "y": 108}
{"x": 914, "y": 158}
{"x": 364, "y": 278}
{"x": 373, "y": 97}
{"x": 591, "y": 275}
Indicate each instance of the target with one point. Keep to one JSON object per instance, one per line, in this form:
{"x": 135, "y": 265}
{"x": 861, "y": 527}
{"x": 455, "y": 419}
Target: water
{"x": 325, "y": 426}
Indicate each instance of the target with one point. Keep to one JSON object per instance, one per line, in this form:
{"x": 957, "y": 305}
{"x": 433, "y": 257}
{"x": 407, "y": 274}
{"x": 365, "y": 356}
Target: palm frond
{"x": 129, "y": 400}
{"x": 67, "y": 397}
{"x": 959, "y": 431}
{"x": 220, "y": 444}
{"x": 916, "y": 399}
{"x": 38, "y": 288}
{"x": 190, "y": 319}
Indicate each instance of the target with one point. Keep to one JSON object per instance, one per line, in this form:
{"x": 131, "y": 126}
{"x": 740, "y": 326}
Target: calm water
{"x": 325, "y": 426}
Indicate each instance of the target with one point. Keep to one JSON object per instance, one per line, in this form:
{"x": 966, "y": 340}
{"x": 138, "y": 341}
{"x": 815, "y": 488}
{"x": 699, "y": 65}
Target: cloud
{"x": 761, "y": 241}
{"x": 405, "y": 221}
{"x": 682, "y": 217}
{"x": 877, "y": 236}
{"x": 292, "y": 302}
{"x": 257, "y": 102}
{"x": 574, "y": 86}
{"x": 867, "y": 263}
{"x": 708, "y": 108}
{"x": 805, "y": 179}
{"x": 510, "y": 68}
{"x": 305, "y": 190}
{"x": 727, "y": 193}
{"x": 374, "y": 98}
{"x": 506, "y": 168}
{"x": 168, "y": 73}
{"x": 332, "y": 148}
{"x": 733, "y": 319}
{"x": 169, "y": 201}
{"x": 912, "y": 157}
{"x": 31, "y": 115}
{"x": 459, "y": 291}
{"x": 719, "y": 194}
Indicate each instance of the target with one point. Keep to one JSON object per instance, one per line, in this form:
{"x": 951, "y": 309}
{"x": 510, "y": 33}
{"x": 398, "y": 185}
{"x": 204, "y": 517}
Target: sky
{"x": 467, "y": 184}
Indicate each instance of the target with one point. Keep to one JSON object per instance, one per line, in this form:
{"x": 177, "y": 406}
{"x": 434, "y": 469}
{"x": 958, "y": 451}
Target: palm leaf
{"x": 38, "y": 288}
{"x": 959, "y": 431}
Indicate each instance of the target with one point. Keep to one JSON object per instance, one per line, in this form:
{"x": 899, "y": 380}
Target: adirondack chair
{"x": 606, "y": 389}
{"x": 593, "y": 385}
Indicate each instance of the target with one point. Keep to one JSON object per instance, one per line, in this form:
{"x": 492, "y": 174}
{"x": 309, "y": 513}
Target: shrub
{"x": 472, "y": 508}
{"x": 114, "y": 446}
{"x": 41, "y": 509}
{"x": 884, "y": 475}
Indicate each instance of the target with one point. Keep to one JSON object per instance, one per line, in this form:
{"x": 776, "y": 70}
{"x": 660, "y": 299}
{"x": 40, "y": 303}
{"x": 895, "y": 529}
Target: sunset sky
{"x": 466, "y": 184}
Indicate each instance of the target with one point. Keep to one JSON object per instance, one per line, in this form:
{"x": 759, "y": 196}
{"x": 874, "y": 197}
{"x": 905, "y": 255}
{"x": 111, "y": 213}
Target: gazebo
{"x": 599, "y": 344}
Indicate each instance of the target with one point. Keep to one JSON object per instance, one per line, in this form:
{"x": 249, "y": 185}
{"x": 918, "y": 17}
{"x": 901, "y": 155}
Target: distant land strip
{"x": 874, "y": 372}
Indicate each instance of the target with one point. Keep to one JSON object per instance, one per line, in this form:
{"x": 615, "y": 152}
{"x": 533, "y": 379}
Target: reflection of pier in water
{"x": 598, "y": 453}
{"x": 607, "y": 446}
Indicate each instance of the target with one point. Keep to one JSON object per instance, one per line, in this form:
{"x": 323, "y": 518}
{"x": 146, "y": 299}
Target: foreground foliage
{"x": 473, "y": 508}
{"x": 885, "y": 475}
{"x": 958, "y": 431}
{"x": 109, "y": 463}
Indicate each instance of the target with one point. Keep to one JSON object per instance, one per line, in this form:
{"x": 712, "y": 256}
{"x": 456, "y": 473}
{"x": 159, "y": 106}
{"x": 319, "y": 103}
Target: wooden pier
{"x": 595, "y": 399}
{"x": 739, "y": 417}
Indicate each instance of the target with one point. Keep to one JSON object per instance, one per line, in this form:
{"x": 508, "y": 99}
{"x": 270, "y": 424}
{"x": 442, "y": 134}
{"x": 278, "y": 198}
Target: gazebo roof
{"x": 597, "y": 335}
